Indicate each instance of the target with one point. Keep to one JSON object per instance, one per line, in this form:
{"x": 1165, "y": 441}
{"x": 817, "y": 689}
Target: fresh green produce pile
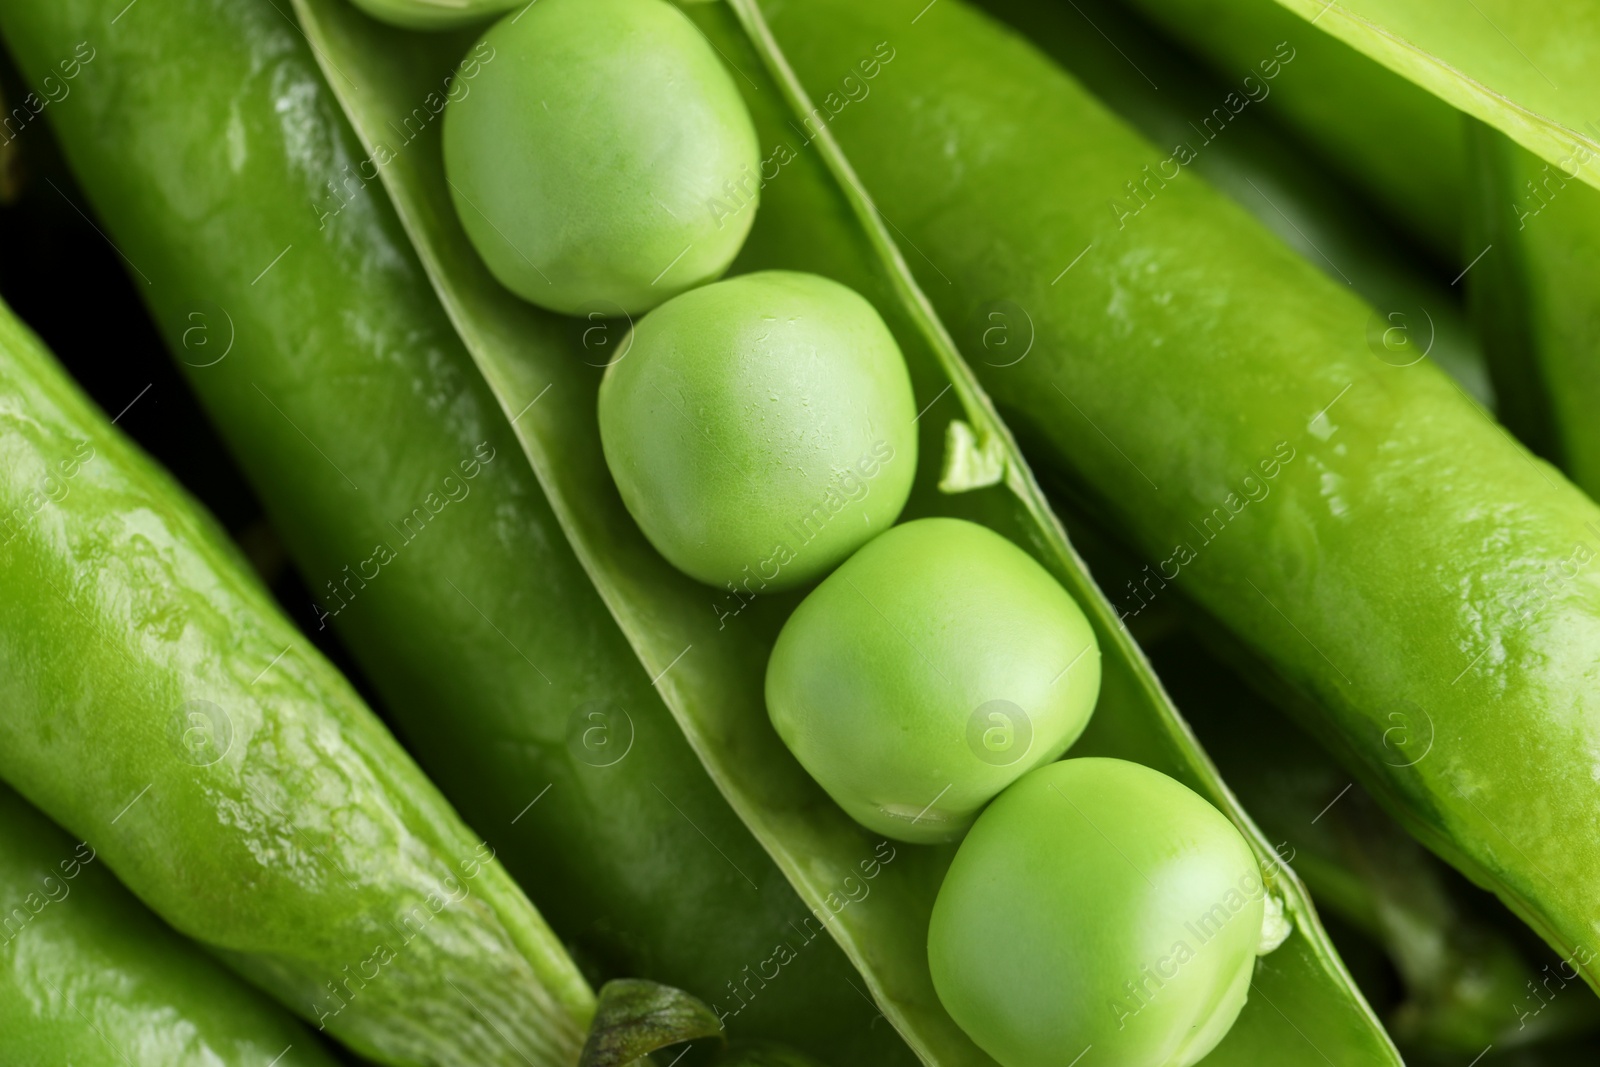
{"x": 982, "y": 532}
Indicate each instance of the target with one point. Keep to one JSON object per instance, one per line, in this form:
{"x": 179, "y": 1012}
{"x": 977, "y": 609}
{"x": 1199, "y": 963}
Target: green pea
{"x": 601, "y": 159}
{"x": 1097, "y": 904}
{"x": 930, "y": 671}
{"x": 760, "y": 429}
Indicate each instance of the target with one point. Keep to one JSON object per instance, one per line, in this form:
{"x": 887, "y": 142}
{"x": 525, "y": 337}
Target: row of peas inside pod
{"x": 935, "y": 674}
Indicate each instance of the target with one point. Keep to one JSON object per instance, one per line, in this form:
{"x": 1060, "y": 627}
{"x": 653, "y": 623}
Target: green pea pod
{"x": 1400, "y": 144}
{"x": 1239, "y": 145}
{"x": 309, "y": 331}
{"x": 88, "y": 975}
{"x": 1420, "y": 586}
{"x": 159, "y": 706}
{"x": 1527, "y": 70}
{"x": 708, "y": 650}
{"x": 1534, "y": 299}
{"x": 1467, "y": 985}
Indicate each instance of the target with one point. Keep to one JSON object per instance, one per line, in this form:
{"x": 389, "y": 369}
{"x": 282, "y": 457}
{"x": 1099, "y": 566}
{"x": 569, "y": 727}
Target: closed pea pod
{"x": 1460, "y": 963}
{"x": 1246, "y": 148}
{"x": 1401, "y": 145}
{"x": 88, "y": 975}
{"x": 158, "y": 705}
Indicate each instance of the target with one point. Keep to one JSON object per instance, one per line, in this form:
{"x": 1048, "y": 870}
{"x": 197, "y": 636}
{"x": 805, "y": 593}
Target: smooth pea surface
{"x": 1097, "y": 904}
{"x": 933, "y": 668}
{"x": 601, "y": 160}
{"x": 760, "y": 429}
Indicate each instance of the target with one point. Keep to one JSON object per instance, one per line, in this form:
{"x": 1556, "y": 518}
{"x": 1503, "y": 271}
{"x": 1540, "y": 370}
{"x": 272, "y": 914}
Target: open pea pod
{"x": 285, "y": 287}
{"x": 707, "y": 652}
{"x": 1528, "y": 70}
{"x": 156, "y": 703}
{"x": 1238, "y": 127}
{"x": 1411, "y": 580}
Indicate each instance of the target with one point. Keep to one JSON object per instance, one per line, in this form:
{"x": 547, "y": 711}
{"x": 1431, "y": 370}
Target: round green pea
{"x": 927, "y": 673}
{"x": 1097, "y": 903}
{"x": 601, "y": 159}
{"x": 760, "y": 429}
